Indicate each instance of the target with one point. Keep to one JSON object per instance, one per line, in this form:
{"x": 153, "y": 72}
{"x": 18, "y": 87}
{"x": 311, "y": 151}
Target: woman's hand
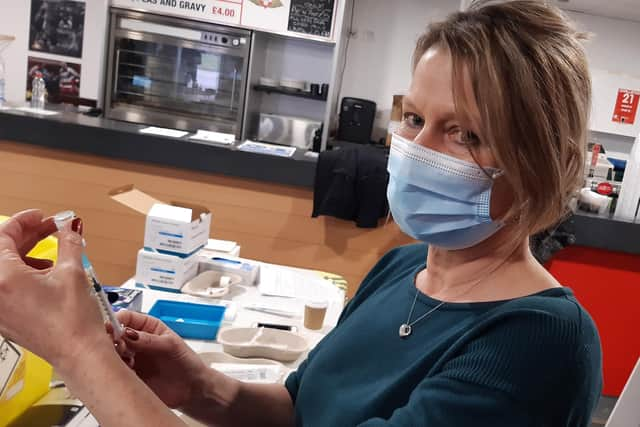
{"x": 48, "y": 310}
{"x": 182, "y": 380}
{"x": 160, "y": 358}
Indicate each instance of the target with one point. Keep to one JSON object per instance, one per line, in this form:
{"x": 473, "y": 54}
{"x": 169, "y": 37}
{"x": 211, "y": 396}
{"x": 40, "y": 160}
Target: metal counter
{"x": 111, "y": 138}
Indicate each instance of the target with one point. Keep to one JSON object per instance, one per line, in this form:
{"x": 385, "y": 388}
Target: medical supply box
{"x": 176, "y": 227}
{"x": 163, "y": 271}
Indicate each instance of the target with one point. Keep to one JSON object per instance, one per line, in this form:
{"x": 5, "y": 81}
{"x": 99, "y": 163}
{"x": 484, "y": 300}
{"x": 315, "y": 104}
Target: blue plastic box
{"x": 189, "y": 320}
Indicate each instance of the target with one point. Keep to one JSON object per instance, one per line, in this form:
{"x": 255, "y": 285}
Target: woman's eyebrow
{"x": 407, "y": 103}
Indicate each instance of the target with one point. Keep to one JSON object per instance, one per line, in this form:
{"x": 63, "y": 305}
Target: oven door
{"x": 178, "y": 74}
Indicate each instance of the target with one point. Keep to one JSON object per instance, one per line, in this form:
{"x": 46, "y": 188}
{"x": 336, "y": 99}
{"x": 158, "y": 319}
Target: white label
{"x": 9, "y": 358}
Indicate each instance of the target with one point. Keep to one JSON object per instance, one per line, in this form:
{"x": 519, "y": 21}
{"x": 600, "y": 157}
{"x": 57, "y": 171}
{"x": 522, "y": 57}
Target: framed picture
{"x": 57, "y": 26}
{"x": 62, "y": 79}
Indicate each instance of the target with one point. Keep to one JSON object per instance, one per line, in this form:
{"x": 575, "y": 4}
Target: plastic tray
{"x": 189, "y": 320}
{"x": 263, "y": 343}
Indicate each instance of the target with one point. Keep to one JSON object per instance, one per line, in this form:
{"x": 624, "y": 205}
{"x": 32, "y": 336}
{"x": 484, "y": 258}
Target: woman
{"x": 490, "y": 151}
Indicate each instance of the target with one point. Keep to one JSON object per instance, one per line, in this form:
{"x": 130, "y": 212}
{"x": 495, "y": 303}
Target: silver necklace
{"x": 406, "y": 328}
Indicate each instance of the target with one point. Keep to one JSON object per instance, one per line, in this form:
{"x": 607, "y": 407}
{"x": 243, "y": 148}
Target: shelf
{"x": 290, "y": 92}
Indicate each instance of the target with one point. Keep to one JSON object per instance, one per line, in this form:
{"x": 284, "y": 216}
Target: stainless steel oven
{"x": 176, "y": 73}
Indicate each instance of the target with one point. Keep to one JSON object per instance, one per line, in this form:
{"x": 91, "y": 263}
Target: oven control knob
{"x": 235, "y": 42}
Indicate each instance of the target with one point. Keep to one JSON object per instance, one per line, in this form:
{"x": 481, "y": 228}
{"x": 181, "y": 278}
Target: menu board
{"x": 311, "y": 17}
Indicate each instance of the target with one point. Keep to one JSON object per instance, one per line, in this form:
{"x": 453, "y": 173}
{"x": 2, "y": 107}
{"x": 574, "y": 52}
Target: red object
{"x": 607, "y": 284}
{"x": 595, "y": 152}
{"x": 604, "y": 188}
{"x": 626, "y": 106}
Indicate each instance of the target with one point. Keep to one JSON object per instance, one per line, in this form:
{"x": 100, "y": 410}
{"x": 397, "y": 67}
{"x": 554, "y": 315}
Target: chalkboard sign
{"x": 314, "y": 17}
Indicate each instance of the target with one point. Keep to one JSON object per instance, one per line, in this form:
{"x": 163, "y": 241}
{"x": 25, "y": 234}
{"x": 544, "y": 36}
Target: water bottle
{"x": 38, "y": 91}
{"x": 2, "y": 95}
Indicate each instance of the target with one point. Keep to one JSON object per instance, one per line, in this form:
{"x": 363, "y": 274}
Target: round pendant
{"x": 405, "y": 330}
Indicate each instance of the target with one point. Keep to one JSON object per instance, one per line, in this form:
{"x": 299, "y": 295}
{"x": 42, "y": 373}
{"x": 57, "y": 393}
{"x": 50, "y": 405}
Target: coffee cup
{"x": 314, "y": 313}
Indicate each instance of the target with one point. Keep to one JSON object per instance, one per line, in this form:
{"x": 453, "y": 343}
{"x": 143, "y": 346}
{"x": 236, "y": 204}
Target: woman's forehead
{"x": 432, "y": 86}
{"x": 431, "y": 82}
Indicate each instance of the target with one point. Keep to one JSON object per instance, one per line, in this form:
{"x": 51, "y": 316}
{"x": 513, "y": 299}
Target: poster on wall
{"x": 626, "y": 106}
{"x": 269, "y": 14}
{"x": 62, "y": 79}
{"x": 57, "y": 26}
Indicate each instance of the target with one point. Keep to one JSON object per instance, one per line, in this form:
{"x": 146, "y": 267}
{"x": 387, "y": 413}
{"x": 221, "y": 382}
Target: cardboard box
{"x": 175, "y": 228}
{"x": 163, "y": 271}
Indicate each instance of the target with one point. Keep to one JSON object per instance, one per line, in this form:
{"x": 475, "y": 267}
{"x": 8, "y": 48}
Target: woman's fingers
{"x": 17, "y": 229}
{"x": 140, "y": 322}
{"x": 122, "y": 348}
{"x": 36, "y": 233}
{"x": 139, "y": 342}
{"x": 70, "y": 258}
{"x": 26, "y": 229}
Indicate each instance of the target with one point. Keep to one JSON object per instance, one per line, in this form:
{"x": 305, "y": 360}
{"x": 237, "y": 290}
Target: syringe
{"x": 63, "y": 218}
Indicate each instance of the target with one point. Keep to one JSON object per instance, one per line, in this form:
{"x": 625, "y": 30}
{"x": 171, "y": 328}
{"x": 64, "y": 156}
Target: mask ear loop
{"x": 492, "y": 176}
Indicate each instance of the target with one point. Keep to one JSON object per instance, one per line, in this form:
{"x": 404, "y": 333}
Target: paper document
{"x": 269, "y": 149}
{"x": 311, "y": 154}
{"x": 290, "y": 283}
{"x": 37, "y": 111}
{"x": 173, "y": 133}
{"x": 252, "y": 373}
{"x": 9, "y": 358}
{"x": 83, "y": 419}
{"x": 221, "y": 245}
{"x": 217, "y": 137}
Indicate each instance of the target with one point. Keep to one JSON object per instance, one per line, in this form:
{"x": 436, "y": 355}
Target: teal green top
{"x": 530, "y": 361}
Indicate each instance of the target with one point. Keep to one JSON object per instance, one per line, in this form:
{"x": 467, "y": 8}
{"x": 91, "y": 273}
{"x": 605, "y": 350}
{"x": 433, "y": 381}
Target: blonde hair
{"x": 531, "y": 82}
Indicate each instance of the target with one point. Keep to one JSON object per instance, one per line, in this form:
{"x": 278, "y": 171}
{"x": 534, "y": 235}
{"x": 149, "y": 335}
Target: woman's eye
{"x": 413, "y": 120}
{"x": 464, "y": 137}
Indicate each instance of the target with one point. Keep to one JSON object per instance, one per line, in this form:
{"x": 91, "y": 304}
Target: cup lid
{"x": 317, "y": 303}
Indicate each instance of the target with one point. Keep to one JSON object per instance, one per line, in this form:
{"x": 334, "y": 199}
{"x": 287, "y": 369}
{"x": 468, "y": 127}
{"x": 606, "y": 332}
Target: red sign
{"x": 626, "y": 106}
{"x": 604, "y": 188}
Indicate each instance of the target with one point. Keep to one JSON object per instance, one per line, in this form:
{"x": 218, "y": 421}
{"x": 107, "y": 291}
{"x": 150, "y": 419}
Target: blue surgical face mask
{"x": 439, "y": 199}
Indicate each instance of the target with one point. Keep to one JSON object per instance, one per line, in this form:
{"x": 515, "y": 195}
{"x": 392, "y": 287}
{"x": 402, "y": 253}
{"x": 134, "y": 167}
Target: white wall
{"x": 614, "y": 58}
{"x": 613, "y": 45}
{"x": 379, "y": 55}
{"x": 14, "y": 20}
